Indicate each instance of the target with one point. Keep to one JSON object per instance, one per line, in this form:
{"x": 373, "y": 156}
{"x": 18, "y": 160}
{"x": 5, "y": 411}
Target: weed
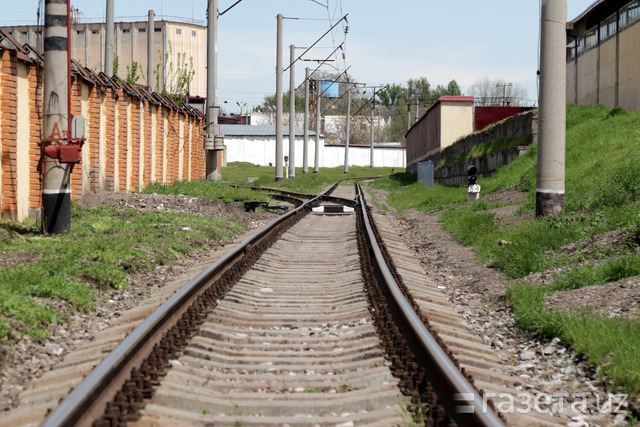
{"x": 102, "y": 249}
{"x": 346, "y": 387}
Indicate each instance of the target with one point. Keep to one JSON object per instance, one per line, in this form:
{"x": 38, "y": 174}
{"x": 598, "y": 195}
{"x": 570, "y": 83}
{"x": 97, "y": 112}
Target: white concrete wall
{"x": 261, "y": 151}
{"x": 333, "y": 156}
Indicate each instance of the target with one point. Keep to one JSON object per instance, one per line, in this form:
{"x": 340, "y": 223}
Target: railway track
{"x": 291, "y": 328}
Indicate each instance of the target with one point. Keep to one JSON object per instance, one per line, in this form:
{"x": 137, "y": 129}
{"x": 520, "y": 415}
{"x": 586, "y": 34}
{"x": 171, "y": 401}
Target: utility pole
{"x": 292, "y": 113}
{"x": 279, "y": 106}
{"x": 56, "y": 180}
{"x": 108, "y": 44}
{"x": 504, "y": 92}
{"x": 214, "y": 142}
{"x": 305, "y": 147}
{"x": 316, "y": 169}
{"x": 150, "y": 50}
{"x": 550, "y": 186}
{"x": 346, "y": 142}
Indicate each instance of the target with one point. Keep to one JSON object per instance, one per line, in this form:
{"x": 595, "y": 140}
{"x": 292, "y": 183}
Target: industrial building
{"x": 177, "y": 41}
{"x": 603, "y": 55}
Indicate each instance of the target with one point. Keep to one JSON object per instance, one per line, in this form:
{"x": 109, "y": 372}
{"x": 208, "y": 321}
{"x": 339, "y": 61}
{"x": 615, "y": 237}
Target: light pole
{"x": 504, "y": 91}
{"x": 241, "y": 107}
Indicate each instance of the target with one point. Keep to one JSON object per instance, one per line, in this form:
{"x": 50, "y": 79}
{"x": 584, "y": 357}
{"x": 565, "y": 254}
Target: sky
{"x": 385, "y": 42}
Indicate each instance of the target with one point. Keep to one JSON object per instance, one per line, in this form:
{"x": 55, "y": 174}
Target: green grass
{"x": 103, "y": 247}
{"x": 302, "y": 183}
{"x": 602, "y": 194}
{"x": 612, "y": 345}
{"x": 484, "y": 149}
{"x": 214, "y": 190}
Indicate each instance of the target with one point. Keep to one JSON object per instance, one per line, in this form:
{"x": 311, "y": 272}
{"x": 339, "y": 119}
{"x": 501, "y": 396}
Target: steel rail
{"x": 464, "y": 402}
{"x": 87, "y": 402}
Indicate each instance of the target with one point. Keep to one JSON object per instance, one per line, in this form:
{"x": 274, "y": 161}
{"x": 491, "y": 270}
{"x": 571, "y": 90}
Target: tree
{"x": 493, "y": 92}
{"x": 391, "y": 95}
{"x": 132, "y": 73}
{"x": 178, "y": 76}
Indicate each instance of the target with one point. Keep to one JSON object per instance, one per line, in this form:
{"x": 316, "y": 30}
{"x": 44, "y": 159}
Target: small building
{"x": 449, "y": 119}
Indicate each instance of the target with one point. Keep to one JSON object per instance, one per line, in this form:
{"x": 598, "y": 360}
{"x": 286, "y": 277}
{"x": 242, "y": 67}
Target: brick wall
{"x": 131, "y": 140}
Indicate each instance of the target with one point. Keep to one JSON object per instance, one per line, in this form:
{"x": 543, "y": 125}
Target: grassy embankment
{"x": 602, "y": 194}
{"x": 104, "y": 246}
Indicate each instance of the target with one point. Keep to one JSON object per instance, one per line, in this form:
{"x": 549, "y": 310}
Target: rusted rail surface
{"x": 142, "y": 360}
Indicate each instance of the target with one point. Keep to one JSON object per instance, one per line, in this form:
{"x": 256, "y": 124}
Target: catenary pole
{"x": 371, "y": 128}
{"x": 56, "y": 194}
{"x": 305, "y": 147}
{"x": 108, "y": 40}
{"x": 346, "y": 142}
{"x": 550, "y": 187}
{"x": 213, "y": 141}
{"x": 292, "y": 113}
{"x": 279, "y": 106}
{"x": 316, "y": 168}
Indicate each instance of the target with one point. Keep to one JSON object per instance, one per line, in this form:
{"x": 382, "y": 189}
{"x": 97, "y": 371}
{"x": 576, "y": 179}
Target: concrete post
{"x": 213, "y": 141}
{"x": 292, "y": 113}
{"x": 56, "y": 197}
{"x": 346, "y": 142}
{"x": 305, "y": 147}
{"x": 279, "y": 107}
{"x": 371, "y": 126}
{"x": 150, "y": 49}
{"x": 316, "y": 168}
{"x": 108, "y": 43}
{"x": 550, "y": 186}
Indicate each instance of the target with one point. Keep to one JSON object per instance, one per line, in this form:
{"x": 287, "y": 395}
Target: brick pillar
{"x": 35, "y": 136}
{"x": 135, "y": 144}
{"x": 8, "y": 134}
{"x": 186, "y": 151}
{"x": 77, "y": 189}
{"x": 93, "y": 136}
{"x": 148, "y": 144}
{"x": 110, "y": 139}
{"x": 123, "y": 140}
{"x": 160, "y": 141}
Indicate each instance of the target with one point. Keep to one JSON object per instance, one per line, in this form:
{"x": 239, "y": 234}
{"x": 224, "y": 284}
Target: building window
{"x": 80, "y": 32}
{"x": 142, "y": 30}
{"x": 193, "y": 33}
{"x": 23, "y": 34}
{"x": 608, "y": 28}
{"x": 95, "y": 31}
{"x": 633, "y": 11}
{"x": 157, "y": 30}
{"x": 126, "y": 30}
{"x": 178, "y": 31}
{"x": 571, "y": 51}
{"x": 38, "y": 32}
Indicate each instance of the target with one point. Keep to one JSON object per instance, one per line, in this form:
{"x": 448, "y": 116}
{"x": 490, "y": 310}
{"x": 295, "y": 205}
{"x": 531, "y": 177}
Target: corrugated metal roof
{"x": 266, "y": 130}
{"x": 457, "y": 98}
